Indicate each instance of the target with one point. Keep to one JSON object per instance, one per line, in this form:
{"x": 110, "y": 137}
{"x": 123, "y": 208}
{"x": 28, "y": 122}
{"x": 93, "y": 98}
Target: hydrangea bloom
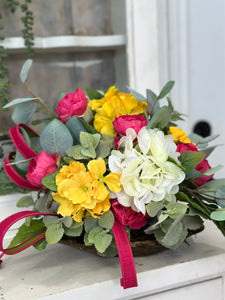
{"x": 147, "y": 174}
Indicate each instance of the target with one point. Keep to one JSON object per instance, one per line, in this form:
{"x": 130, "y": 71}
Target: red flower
{"x": 201, "y": 167}
{"x": 72, "y": 104}
{"x": 122, "y": 123}
{"x": 127, "y": 216}
{"x": 40, "y": 166}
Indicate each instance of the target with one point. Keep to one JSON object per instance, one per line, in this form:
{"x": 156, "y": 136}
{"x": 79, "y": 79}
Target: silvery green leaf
{"x": 190, "y": 159}
{"x": 76, "y": 225}
{"x": 220, "y": 193}
{"x": 192, "y": 222}
{"x": 93, "y": 232}
{"x": 153, "y": 208}
{"x": 161, "y": 118}
{"x": 54, "y": 233}
{"x": 35, "y": 143}
{"x": 75, "y": 127}
{"x": 212, "y": 185}
{"x": 213, "y": 170}
{"x": 25, "y": 201}
{"x": 218, "y": 215}
{"x": 194, "y": 174}
{"x": 166, "y": 89}
{"x": 21, "y": 162}
{"x": 209, "y": 150}
{"x": 174, "y": 210}
{"x": 90, "y": 223}
{"x": 23, "y": 112}
{"x": 88, "y": 139}
{"x": 20, "y": 100}
{"x": 75, "y": 152}
{"x": 25, "y": 69}
{"x": 153, "y": 104}
{"x": 161, "y": 218}
{"x": 49, "y": 220}
{"x": 67, "y": 221}
{"x": 137, "y": 95}
{"x": 106, "y": 220}
{"x": 102, "y": 241}
{"x": 56, "y": 137}
{"x": 73, "y": 231}
{"x": 103, "y": 150}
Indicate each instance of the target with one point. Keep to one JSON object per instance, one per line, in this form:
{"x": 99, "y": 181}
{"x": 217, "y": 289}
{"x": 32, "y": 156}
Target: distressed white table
{"x": 60, "y": 272}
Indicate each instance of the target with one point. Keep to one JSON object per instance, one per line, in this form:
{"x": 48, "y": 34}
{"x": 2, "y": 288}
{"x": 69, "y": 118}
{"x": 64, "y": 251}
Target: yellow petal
{"x": 100, "y": 191}
{"x": 97, "y": 168}
{"x": 113, "y": 182}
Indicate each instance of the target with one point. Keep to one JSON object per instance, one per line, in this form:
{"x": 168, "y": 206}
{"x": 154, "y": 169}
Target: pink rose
{"x": 201, "y": 167}
{"x": 122, "y": 123}
{"x": 72, "y": 104}
{"x": 40, "y": 166}
{"x": 127, "y": 216}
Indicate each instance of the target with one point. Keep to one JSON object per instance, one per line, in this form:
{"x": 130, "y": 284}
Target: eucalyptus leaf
{"x": 209, "y": 150}
{"x": 54, "y": 233}
{"x": 25, "y": 69}
{"x": 25, "y": 201}
{"x": 20, "y": 100}
{"x": 56, "y": 137}
{"x": 212, "y": 185}
{"x": 75, "y": 127}
{"x": 218, "y": 215}
{"x": 21, "y": 162}
{"x": 137, "y": 95}
{"x": 220, "y": 193}
{"x": 161, "y": 118}
{"x": 213, "y": 170}
{"x": 23, "y": 112}
{"x": 166, "y": 89}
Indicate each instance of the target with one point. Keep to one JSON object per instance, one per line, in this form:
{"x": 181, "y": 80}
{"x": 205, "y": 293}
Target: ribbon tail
{"x": 129, "y": 276}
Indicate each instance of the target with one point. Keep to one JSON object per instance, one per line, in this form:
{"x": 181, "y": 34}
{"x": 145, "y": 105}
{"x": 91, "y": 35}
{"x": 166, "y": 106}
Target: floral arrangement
{"x": 106, "y": 156}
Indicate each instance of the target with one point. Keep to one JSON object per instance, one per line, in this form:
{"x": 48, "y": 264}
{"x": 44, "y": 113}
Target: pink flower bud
{"x": 72, "y": 104}
{"x": 40, "y": 166}
{"x": 122, "y": 123}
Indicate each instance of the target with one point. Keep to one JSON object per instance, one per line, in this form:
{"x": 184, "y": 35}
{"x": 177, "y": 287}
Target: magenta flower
{"x": 72, "y": 104}
{"x": 122, "y": 123}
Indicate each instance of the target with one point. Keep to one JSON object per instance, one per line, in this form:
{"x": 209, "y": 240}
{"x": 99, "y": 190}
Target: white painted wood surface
{"x": 194, "y": 272}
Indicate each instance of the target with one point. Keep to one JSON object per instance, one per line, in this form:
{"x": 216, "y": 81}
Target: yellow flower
{"x": 81, "y": 192}
{"x": 114, "y": 105}
{"x": 179, "y": 135}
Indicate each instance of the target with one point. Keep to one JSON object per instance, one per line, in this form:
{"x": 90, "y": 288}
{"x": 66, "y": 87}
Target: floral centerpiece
{"x": 106, "y": 158}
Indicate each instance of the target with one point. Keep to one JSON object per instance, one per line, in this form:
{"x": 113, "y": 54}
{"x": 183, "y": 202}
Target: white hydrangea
{"x": 146, "y": 173}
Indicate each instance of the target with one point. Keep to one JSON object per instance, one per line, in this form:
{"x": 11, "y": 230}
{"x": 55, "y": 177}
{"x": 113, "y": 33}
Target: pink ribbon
{"x": 9, "y": 221}
{"x": 129, "y": 276}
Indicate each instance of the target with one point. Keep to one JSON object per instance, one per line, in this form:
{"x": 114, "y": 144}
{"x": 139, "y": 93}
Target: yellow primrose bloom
{"x": 80, "y": 191}
{"x": 179, "y": 135}
{"x": 114, "y": 105}
{"x": 97, "y": 169}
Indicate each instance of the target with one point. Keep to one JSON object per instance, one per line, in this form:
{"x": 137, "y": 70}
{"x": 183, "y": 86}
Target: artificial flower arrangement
{"x": 106, "y": 161}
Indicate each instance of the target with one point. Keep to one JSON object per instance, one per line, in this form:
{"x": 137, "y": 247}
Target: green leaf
{"x": 93, "y": 94}
{"x": 7, "y": 186}
{"x": 161, "y": 118}
{"x": 93, "y": 232}
{"x": 49, "y": 220}
{"x": 218, "y": 215}
{"x": 166, "y": 89}
{"x": 25, "y": 201}
{"x": 109, "y": 252}
{"x": 25, "y": 232}
{"x": 76, "y": 225}
{"x": 103, "y": 150}
{"x": 23, "y": 112}
{"x": 153, "y": 104}
{"x": 25, "y": 69}
{"x": 137, "y": 95}
{"x": 102, "y": 241}
{"x": 40, "y": 245}
{"x": 50, "y": 181}
{"x": 89, "y": 128}
{"x": 106, "y": 220}
{"x": 209, "y": 150}
{"x": 212, "y": 185}
{"x": 74, "y": 231}
{"x": 86, "y": 242}
{"x": 67, "y": 221}
{"x": 56, "y": 137}
{"x": 88, "y": 139}
{"x": 21, "y": 162}
{"x": 153, "y": 208}
{"x": 174, "y": 210}
{"x": 19, "y": 100}
{"x": 194, "y": 174}
{"x": 213, "y": 170}
{"x": 190, "y": 159}
{"x": 75, "y": 152}
{"x": 192, "y": 222}
{"x": 75, "y": 127}
{"x": 54, "y": 233}
{"x": 90, "y": 223}
{"x": 220, "y": 193}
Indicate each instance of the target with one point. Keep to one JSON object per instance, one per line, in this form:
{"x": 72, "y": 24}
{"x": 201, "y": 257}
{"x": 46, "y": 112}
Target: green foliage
{"x": 106, "y": 220}
{"x": 20, "y": 100}
{"x": 56, "y": 137}
{"x": 93, "y": 94}
{"x": 90, "y": 223}
{"x": 75, "y": 125}
{"x": 25, "y": 201}
{"x": 26, "y": 232}
{"x": 218, "y": 215}
{"x": 161, "y": 118}
{"x": 153, "y": 208}
{"x": 190, "y": 159}
{"x": 8, "y": 187}
{"x": 50, "y": 181}
{"x": 23, "y": 112}
{"x": 54, "y": 233}
{"x": 25, "y": 69}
